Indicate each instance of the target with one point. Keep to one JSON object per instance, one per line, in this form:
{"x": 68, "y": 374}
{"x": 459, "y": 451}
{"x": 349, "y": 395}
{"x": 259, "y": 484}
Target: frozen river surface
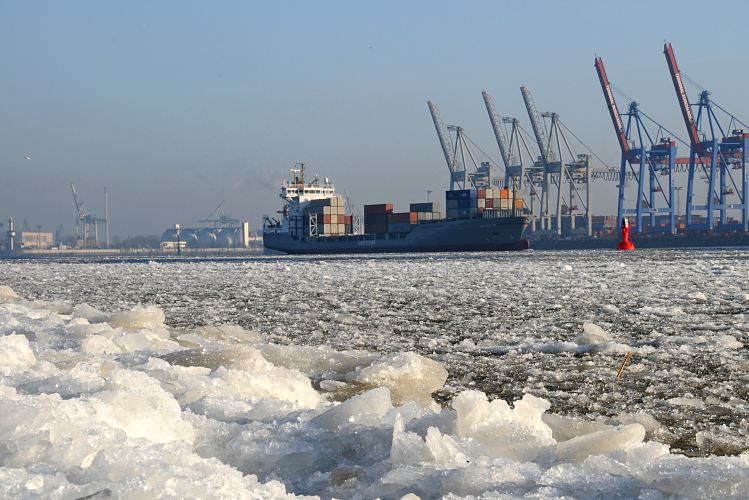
{"x": 313, "y": 394}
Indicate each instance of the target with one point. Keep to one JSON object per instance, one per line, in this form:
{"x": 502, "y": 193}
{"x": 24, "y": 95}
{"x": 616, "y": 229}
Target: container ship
{"x": 313, "y": 221}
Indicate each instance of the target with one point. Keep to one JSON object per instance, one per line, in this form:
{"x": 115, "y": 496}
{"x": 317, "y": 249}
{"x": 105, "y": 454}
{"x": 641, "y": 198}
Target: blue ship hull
{"x": 461, "y": 235}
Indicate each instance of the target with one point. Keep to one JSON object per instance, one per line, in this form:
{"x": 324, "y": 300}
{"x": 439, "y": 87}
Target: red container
{"x": 326, "y": 219}
{"x": 489, "y": 203}
{"x": 382, "y": 208}
{"x": 481, "y": 192}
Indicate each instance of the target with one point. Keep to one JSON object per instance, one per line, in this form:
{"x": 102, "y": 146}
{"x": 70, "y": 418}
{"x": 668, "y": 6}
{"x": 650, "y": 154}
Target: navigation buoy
{"x": 626, "y": 243}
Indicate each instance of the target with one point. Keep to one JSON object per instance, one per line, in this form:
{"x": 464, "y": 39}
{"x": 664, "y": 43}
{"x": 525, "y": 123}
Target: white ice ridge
{"x": 120, "y": 405}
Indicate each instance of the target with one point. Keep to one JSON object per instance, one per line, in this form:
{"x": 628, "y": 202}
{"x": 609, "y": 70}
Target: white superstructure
{"x": 297, "y": 194}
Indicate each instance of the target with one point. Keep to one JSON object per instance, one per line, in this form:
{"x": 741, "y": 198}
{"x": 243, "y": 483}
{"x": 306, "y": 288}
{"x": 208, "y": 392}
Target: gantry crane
{"x": 545, "y": 158}
{"x": 89, "y": 222}
{"x": 458, "y": 155}
{"x": 718, "y": 151}
{"x": 641, "y": 150}
{"x": 458, "y": 174}
{"x": 219, "y": 218}
{"x": 518, "y": 175}
{"x": 575, "y": 170}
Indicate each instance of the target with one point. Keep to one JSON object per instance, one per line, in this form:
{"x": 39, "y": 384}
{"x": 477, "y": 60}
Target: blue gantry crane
{"x": 646, "y": 155}
{"x": 716, "y": 151}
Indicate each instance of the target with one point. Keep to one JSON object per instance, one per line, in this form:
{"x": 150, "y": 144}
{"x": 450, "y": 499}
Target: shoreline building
{"x": 34, "y": 239}
{"x": 208, "y": 237}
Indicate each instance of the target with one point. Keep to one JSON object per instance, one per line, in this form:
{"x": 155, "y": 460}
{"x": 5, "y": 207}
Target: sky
{"x": 176, "y": 106}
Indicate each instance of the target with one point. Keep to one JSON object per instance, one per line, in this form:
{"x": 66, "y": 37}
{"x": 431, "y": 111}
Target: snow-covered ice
{"x": 440, "y": 375}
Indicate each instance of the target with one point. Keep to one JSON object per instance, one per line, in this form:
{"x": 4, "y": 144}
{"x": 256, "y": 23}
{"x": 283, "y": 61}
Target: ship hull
{"x": 467, "y": 235}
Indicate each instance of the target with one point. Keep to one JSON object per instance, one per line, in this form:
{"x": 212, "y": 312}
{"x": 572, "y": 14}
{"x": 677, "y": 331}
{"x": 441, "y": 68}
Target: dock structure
{"x": 555, "y": 181}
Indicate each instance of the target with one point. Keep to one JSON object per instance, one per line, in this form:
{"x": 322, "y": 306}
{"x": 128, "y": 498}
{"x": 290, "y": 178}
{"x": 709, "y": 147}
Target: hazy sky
{"x": 177, "y": 105}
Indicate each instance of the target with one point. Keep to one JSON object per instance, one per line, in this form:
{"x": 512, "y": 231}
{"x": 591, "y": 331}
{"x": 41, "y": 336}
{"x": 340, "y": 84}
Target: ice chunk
{"x": 592, "y": 334}
{"x": 566, "y": 428}
{"x": 653, "y": 428}
{"x": 697, "y": 297}
{"x": 409, "y": 376}
{"x": 227, "y": 332}
{"x": 438, "y": 449}
{"x": 96, "y": 344}
{"x": 366, "y": 409}
{"x": 685, "y": 401}
{"x": 139, "y": 317}
{"x": 89, "y": 313}
{"x": 610, "y": 309}
{"x": 270, "y": 382}
{"x": 316, "y": 361}
{"x": 239, "y": 372}
{"x": 721, "y": 440}
{"x": 496, "y": 430}
{"x": 407, "y": 447}
{"x": 601, "y": 442}
{"x": 144, "y": 340}
{"x": 136, "y": 403}
{"x": 80, "y": 327}
{"x": 211, "y": 358}
{"x": 7, "y": 294}
{"x": 15, "y": 354}
{"x": 728, "y": 342}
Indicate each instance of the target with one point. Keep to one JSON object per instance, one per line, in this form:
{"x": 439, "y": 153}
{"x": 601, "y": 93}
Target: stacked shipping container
{"x": 426, "y": 211}
{"x": 376, "y": 218}
{"x": 380, "y": 218}
{"x": 402, "y": 222}
{"x": 461, "y": 203}
{"x": 330, "y": 216}
{"x": 470, "y": 203}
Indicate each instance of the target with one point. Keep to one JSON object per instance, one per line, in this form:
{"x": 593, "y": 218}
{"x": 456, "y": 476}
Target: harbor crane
{"x": 556, "y": 170}
{"x": 716, "y": 152}
{"x": 458, "y": 155}
{"x": 89, "y": 222}
{"x": 518, "y": 175}
{"x": 645, "y": 154}
{"x": 219, "y": 218}
{"x": 458, "y": 174}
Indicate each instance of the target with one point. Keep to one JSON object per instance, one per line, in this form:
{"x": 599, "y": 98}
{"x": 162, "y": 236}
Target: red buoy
{"x": 626, "y": 243}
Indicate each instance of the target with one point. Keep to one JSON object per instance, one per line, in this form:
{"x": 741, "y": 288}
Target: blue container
{"x": 422, "y": 207}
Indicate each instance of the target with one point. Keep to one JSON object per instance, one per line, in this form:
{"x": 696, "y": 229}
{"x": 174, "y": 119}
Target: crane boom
{"x": 538, "y": 130}
{"x": 78, "y": 204}
{"x": 443, "y": 136}
{"x": 681, "y": 95}
{"x": 616, "y": 118}
{"x": 499, "y": 131}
